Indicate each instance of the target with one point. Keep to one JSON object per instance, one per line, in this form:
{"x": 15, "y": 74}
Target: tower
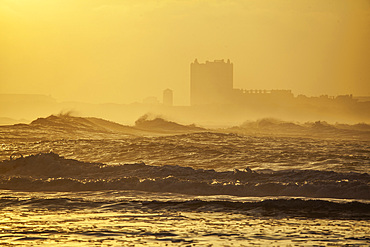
{"x": 168, "y": 97}
{"x": 211, "y": 82}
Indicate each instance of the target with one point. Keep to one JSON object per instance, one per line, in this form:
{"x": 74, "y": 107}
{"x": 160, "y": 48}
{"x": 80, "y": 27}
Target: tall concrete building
{"x": 211, "y": 82}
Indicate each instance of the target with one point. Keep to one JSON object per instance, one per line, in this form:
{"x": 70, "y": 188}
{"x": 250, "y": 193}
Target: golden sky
{"x": 122, "y": 51}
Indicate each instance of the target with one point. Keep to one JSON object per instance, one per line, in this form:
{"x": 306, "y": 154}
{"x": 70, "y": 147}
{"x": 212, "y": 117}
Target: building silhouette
{"x": 211, "y": 82}
{"x": 168, "y": 97}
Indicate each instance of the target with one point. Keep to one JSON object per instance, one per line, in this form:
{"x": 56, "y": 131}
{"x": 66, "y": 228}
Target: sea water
{"x": 194, "y": 189}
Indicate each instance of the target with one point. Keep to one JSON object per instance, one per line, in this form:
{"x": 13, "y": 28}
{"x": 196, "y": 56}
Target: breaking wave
{"x": 269, "y": 207}
{"x": 148, "y": 122}
{"x": 318, "y": 129}
{"x": 50, "y": 172}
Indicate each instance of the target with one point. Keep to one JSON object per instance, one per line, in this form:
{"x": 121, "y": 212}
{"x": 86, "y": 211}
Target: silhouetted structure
{"x": 241, "y": 96}
{"x": 168, "y": 97}
{"x": 211, "y": 82}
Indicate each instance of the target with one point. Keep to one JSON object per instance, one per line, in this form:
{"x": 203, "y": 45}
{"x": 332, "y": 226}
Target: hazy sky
{"x": 124, "y": 50}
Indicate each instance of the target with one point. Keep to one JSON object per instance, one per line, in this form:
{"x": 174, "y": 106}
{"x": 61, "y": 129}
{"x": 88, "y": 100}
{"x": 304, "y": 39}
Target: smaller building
{"x": 168, "y": 97}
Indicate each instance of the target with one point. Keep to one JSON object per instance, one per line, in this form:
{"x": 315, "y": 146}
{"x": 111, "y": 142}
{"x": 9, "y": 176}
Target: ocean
{"x": 82, "y": 186}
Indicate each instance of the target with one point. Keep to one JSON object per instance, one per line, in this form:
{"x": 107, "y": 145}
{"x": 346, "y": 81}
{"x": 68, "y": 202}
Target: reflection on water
{"x": 104, "y": 222}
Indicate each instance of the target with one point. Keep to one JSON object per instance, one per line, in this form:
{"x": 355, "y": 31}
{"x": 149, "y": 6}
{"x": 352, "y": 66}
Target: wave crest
{"x": 50, "y": 172}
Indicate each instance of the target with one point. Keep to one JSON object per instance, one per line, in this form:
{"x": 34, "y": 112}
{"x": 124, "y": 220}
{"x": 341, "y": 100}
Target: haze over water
{"x": 184, "y": 123}
{"x": 122, "y": 51}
